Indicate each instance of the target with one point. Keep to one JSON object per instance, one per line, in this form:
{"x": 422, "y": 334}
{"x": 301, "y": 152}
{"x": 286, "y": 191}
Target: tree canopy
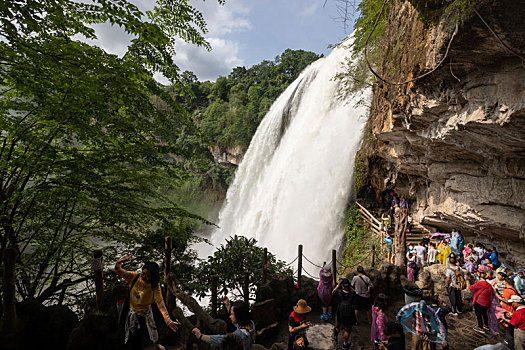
{"x": 88, "y": 140}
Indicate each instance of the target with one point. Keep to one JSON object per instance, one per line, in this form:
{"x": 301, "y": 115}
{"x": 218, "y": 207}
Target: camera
{"x": 377, "y": 341}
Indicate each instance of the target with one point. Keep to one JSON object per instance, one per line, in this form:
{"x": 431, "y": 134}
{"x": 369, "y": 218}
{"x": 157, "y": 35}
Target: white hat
{"x": 515, "y": 299}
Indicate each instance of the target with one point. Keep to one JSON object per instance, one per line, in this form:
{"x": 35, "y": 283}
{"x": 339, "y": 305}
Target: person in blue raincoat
{"x": 457, "y": 243}
{"x": 424, "y": 324}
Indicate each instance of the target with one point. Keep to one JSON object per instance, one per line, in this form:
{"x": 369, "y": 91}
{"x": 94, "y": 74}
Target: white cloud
{"x": 310, "y": 10}
{"x": 208, "y": 65}
{"x": 112, "y": 39}
{"x": 225, "y": 19}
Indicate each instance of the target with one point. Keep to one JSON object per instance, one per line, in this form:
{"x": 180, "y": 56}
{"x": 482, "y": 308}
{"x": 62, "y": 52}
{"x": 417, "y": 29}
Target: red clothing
{"x": 482, "y": 293}
{"x": 518, "y": 318}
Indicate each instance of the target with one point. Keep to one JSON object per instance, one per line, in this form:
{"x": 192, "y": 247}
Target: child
{"x": 441, "y": 309}
{"x": 379, "y": 319}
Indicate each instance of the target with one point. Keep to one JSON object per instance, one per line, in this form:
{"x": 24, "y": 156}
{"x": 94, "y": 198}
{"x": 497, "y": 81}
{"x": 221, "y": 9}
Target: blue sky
{"x": 245, "y": 32}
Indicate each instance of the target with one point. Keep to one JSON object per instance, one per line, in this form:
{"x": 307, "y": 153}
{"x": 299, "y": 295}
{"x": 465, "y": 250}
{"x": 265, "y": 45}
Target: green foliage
{"x": 359, "y": 240}
{"x": 358, "y": 170}
{"x": 357, "y": 75}
{"x": 229, "y": 110}
{"x": 89, "y": 141}
{"x": 231, "y": 260}
{"x": 459, "y": 8}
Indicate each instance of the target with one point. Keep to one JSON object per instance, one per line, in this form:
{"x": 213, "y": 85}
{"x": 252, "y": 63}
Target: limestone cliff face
{"x": 228, "y": 155}
{"x": 454, "y": 141}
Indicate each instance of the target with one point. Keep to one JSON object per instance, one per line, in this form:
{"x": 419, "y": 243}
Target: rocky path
{"x": 461, "y": 333}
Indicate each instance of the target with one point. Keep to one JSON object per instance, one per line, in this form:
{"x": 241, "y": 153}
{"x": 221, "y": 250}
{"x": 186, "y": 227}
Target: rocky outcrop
{"x": 453, "y": 142}
{"x": 227, "y": 155}
{"x": 39, "y": 326}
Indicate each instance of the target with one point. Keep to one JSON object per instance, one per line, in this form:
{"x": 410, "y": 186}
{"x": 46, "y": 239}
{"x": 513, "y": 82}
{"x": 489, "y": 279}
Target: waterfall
{"x": 295, "y": 180}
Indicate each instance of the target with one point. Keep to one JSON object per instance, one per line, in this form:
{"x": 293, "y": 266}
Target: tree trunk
{"x": 8, "y": 321}
{"x": 400, "y": 228}
{"x": 217, "y": 326}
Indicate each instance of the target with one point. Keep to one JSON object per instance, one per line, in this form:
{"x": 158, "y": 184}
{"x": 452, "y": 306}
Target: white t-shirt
{"x": 432, "y": 253}
{"x": 450, "y": 273}
{"x": 420, "y": 251}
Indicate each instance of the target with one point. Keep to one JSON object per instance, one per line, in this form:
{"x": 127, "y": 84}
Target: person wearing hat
{"x": 345, "y": 316}
{"x": 324, "y": 291}
{"x": 297, "y": 323}
{"x": 396, "y": 340}
{"x": 518, "y": 321}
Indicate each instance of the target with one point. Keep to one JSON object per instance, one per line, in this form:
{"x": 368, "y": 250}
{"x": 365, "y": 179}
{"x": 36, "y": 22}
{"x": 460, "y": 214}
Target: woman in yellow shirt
{"x": 140, "y": 325}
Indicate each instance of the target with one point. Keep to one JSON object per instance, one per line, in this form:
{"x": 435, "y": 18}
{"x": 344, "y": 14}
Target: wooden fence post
{"x": 265, "y": 265}
{"x": 299, "y": 264}
{"x": 381, "y": 237}
{"x": 334, "y": 266}
{"x": 214, "y": 279}
{"x": 246, "y": 287}
{"x": 167, "y": 256}
{"x": 373, "y": 255}
{"x": 99, "y": 285}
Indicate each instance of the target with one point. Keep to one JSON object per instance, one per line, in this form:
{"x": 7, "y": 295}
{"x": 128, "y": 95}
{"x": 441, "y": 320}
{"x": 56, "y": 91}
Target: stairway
{"x": 417, "y": 233}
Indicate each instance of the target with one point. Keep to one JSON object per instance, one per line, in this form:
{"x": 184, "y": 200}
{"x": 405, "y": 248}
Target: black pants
{"x": 454, "y": 295}
{"x": 509, "y": 336}
{"x": 481, "y": 315}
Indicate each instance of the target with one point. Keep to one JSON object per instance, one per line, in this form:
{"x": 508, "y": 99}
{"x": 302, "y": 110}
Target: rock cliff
{"x": 453, "y": 141}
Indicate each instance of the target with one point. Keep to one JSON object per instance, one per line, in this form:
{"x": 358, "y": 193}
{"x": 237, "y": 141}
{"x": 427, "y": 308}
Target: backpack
{"x": 299, "y": 343}
{"x": 459, "y": 279}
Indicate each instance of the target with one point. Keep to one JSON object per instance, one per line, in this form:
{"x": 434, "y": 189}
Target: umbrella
{"x": 437, "y": 234}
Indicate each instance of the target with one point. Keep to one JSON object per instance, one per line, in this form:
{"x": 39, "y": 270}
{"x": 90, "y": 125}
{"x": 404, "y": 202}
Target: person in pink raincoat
{"x": 379, "y": 319}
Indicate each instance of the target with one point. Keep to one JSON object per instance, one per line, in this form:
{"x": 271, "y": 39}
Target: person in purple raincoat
{"x": 324, "y": 290}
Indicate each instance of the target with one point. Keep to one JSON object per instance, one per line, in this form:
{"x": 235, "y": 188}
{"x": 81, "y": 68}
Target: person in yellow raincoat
{"x": 444, "y": 251}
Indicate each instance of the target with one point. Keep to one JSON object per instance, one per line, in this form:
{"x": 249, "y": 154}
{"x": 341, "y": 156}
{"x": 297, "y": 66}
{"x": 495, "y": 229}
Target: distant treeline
{"x": 229, "y": 110}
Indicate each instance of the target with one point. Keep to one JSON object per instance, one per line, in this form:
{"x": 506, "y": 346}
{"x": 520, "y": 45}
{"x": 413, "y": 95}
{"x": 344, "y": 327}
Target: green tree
{"x": 231, "y": 260}
{"x": 88, "y": 139}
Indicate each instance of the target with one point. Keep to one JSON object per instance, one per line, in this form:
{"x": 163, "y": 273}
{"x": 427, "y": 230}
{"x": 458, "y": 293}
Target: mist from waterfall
{"x": 295, "y": 180}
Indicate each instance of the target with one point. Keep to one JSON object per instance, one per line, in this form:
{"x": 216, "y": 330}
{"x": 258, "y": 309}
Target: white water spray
{"x": 295, "y": 180}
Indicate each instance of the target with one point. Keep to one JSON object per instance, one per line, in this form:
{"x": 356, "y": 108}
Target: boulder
{"x": 40, "y": 325}
{"x": 285, "y": 293}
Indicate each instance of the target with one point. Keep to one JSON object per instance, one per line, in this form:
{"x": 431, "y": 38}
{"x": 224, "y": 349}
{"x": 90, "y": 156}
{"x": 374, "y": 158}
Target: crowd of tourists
{"x": 495, "y": 301}
{"x": 498, "y": 291}
{"x": 498, "y": 303}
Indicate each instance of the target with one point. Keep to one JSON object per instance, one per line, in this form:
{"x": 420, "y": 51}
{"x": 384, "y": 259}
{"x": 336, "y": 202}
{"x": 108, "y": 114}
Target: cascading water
{"x": 295, "y": 180}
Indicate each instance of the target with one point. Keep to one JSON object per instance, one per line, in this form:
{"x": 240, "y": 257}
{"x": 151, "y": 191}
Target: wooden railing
{"x": 376, "y": 225}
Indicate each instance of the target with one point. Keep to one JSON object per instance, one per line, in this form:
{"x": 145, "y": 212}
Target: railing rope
{"x": 312, "y": 262}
